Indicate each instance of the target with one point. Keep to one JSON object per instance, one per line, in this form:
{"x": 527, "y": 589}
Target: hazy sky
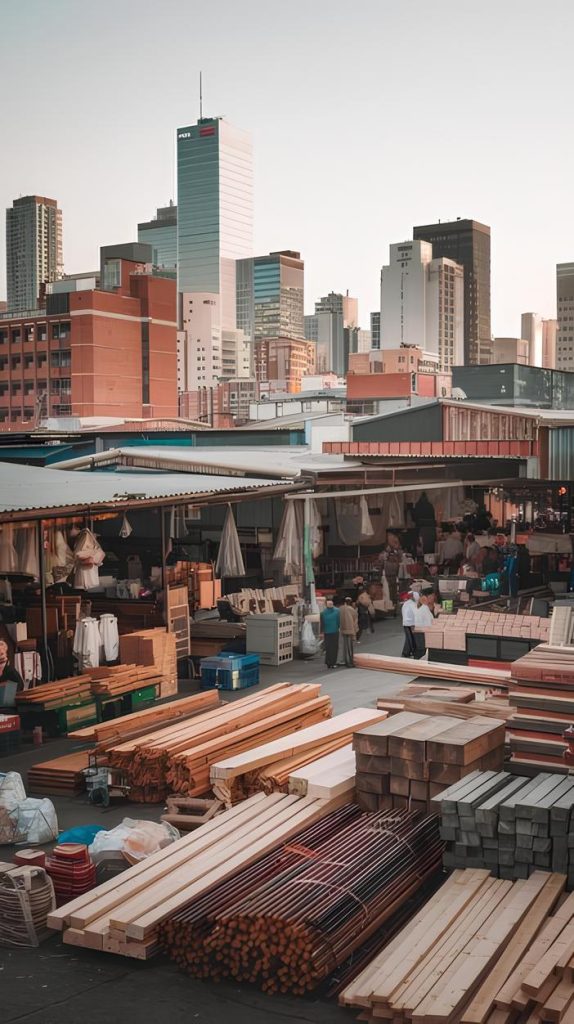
{"x": 367, "y": 117}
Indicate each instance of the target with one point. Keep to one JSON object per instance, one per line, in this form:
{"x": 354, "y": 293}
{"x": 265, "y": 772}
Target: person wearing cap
{"x": 349, "y": 625}
{"x": 423, "y": 618}
{"x": 408, "y": 615}
{"x": 330, "y": 624}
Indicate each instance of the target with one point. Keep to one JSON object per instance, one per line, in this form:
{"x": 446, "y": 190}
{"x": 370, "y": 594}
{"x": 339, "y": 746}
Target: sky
{"x": 367, "y": 118}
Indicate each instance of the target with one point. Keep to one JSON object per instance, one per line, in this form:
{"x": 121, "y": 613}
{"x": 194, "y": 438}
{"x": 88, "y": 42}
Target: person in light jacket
{"x": 349, "y": 621}
{"x": 408, "y": 615}
{"x": 423, "y": 618}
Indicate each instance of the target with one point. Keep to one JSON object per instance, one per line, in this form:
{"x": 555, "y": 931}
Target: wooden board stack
{"x": 468, "y": 675}
{"x": 62, "y": 693}
{"x": 542, "y": 694}
{"x": 140, "y": 722}
{"x": 326, "y": 776}
{"x": 449, "y": 632}
{"x": 269, "y": 766}
{"x": 62, "y": 776}
{"x": 177, "y": 758}
{"x": 154, "y": 647}
{"x": 209, "y": 637}
{"x": 124, "y": 914}
{"x": 509, "y": 824}
{"x": 481, "y": 951}
{"x": 410, "y": 758}
{"x": 115, "y": 680}
{"x": 444, "y": 701}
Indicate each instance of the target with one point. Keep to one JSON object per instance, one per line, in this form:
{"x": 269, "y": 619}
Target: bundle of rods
{"x": 288, "y": 921}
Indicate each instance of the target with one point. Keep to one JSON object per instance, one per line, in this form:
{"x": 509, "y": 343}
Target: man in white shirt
{"x": 423, "y": 618}
{"x": 408, "y": 611}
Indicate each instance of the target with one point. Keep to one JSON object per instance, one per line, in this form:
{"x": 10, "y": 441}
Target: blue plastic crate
{"x": 230, "y": 672}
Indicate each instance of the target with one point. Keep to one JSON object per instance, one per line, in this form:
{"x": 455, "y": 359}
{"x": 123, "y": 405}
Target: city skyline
{"x": 506, "y": 161}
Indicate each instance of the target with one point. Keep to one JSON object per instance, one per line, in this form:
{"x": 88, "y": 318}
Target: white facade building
{"x": 531, "y": 331}
{"x": 422, "y": 302}
{"x": 565, "y": 304}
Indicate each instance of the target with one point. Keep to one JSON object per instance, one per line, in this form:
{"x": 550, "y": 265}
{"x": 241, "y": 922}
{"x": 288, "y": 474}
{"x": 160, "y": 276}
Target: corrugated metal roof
{"x": 33, "y": 488}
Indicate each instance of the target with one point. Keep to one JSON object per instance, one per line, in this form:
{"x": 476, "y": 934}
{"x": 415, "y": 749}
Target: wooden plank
{"x": 542, "y": 943}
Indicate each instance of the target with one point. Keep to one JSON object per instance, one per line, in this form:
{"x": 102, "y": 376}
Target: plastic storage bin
{"x": 230, "y": 672}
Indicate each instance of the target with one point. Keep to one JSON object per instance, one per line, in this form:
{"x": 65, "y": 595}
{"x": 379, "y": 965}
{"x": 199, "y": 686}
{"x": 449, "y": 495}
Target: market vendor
{"x": 8, "y": 673}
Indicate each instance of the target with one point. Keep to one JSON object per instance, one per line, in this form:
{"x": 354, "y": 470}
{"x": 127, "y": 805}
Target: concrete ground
{"x": 59, "y": 984}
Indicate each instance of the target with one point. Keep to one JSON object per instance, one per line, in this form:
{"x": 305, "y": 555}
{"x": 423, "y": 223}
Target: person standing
{"x": 8, "y": 674}
{"x": 408, "y": 615}
{"x": 423, "y": 619}
{"x": 365, "y": 613}
{"x": 390, "y": 559}
{"x": 349, "y": 622}
{"x": 330, "y": 624}
{"x": 425, "y": 521}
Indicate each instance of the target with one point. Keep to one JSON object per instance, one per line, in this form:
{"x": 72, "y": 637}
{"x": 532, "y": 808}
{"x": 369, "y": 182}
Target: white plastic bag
{"x": 36, "y": 821}
{"x": 308, "y": 643}
{"x": 135, "y": 839}
{"x": 12, "y": 790}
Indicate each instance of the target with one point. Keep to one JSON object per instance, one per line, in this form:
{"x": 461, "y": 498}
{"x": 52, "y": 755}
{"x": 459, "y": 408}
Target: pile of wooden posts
{"x": 330, "y": 775}
{"x": 124, "y": 914}
{"x": 114, "y": 680}
{"x": 449, "y": 632}
{"x": 410, "y": 758}
{"x": 542, "y": 696}
{"x": 141, "y": 722}
{"x": 290, "y": 920}
{"x": 481, "y": 951}
{"x": 177, "y": 758}
{"x": 509, "y": 824}
{"x": 157, "y": 648}
{"x": 468, "y": 675}
{"x": 268, "y": 767}
{"x": 62, "y": 693}
{"x": 457, "y": 702}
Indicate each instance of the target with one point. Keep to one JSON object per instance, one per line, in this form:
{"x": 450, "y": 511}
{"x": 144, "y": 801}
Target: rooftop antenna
{"x": 200, "y": 97}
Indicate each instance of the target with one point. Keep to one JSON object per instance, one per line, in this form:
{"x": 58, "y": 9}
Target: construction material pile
{"x": 451, "y": 632}
{"x": 177, "y": 758}
{"x": 124, "y": 914}
{"x": 267, "y": 768}
{"x": 455, "y": 701}
{"x": 141, "y": 722}
{"x": 509, "y": 824}
{"x": 481, "y": 950}
{"x": 469, "y": 675}
{"x": 408, "y": 759}
{"x": 287, "y": 922}
{"x": 542, "y": 694}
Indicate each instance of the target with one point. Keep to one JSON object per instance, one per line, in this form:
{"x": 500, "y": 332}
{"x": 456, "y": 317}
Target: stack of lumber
{"x": 124, "y": 914}
{"x": 287, "y": 923}
{"x": 449, "y": 632}
{"x": 508, "y": 824}
{"x": 209, "y": 636}
{"x": 445, "y": 701}
{"x": 268, "y": 767}
{"x": 141, "y": 722}
{"x": 177, "y": 758}
{"x": 60, "y": 694}
{"x": 542, "y": 691}
{"x": 481, "y": 950}
{"x": 271, "y": 599}
{"x": 330, "y": 775}
{"x": 153, "y": 647}
{"x": 62, "y": 776}
{"x": 468, "y": 675}
{"x": 114, "y": 680}
{"x": 410, "y": 758}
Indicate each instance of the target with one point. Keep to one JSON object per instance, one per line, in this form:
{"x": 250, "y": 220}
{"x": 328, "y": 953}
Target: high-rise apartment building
{"x": 531, "y": 331}
{"x": 270, "y": 296}
{"x": 326, "y": 327}
{"x": 549, "y": 334}
{"x": 375, "y": 330}
{"x": 161, "y": 234}
{"x": 281, "y": 363}
{"x": 467, "y": 243}
{"x": 214, "y": 230}
{"x": 33, "y": 249}
{"x": 422, "y": 302}
{"x": 565, "y": 307}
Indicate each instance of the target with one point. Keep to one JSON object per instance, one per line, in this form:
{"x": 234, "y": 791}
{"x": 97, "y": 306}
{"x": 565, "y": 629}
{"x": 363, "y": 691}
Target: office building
{"x": 549, "y": 334}
{"x": 270, "y": 296}
{"x": 376, "y": 330}
{"x": 467, "y": 243}
{"x": 422, "y": 302}
{"x": 531, "y": 331}
{"x": 326, "y": 327}
{"x": 161, "y": 234}
{"x": 107, "y": 351}
{"x": 33, "y": 249}
{"x": 511, "y": 350}
{"x": 565, "y": 308}
{"x": 280, "y": 364}
{"x": 214, "y": 230}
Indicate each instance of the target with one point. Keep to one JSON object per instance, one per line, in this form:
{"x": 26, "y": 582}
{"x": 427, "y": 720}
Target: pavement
{"x": 60, "y": 984}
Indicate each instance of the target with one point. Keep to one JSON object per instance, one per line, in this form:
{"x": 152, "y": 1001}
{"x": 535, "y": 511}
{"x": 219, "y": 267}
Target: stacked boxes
{"x": 271, "y": 637}
{"x": 452, "y": 633}
{"x": 153, "y": 647}
{"x": 410, "y": 758}
{"x": 509, "y": 824}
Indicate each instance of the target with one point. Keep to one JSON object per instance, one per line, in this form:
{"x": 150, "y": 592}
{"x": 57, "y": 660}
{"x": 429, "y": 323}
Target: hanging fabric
{"x": 395, "y": 512}
{"x": 8, "y": 553}
{"x": 29, "y": 665}
{"x": 88, "y": 555}
{"x": 110, "y": 637}
{"x": 289, "y": 547}
{"x": 27, "y": 550}
{"x": 353, "y": 520}
{"x": 60, "y": 561}
{"x": 229, "y": 558}
{"x": 87, "y": 643}
{"x": 126, "y": 527}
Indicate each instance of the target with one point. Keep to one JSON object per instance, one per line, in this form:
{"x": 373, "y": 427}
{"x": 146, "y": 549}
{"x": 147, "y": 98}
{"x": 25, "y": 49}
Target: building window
{"x": 28, "y": 387}
{"x": 16, "y": 361}
{"x": 3, "y": 337}
{"x": 16, "y": 335}
{"x": 42, "y": 332}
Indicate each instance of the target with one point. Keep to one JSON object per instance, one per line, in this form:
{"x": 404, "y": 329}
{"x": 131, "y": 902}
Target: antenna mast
{"x": 200, "y": 97}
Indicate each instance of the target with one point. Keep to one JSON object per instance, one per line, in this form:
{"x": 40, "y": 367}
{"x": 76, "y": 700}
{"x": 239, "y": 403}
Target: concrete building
{"x": 422, "y": 302}
{"x": 214, "y": 230}
{"x": 467, "y": 242}
{"x": 531, "y": 330}
{"x": 565, "y": 308}
{"x": 108, "y": 351}
{"x": 161, "y": 234}
{"x": 549, "y": 334}
{"x": 281, "y": 363}
{"x": 334, "y": 313}
{"x": 270, "y": 296}
{"x": 236, "y": 355}
{"x": 224, "y": 406}
{"x": 33, "y": 249}
{"x": 511, "y": 350}
{"x": 376, "y": 330}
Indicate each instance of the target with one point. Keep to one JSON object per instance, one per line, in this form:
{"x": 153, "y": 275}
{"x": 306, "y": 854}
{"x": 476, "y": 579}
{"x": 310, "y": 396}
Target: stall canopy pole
{"x": 163, "y": 565}
{"x": 44, "y": 653}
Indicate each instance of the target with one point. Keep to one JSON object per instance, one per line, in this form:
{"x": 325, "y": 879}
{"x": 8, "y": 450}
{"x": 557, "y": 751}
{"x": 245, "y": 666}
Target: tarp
{"x": 229, "y": 559}
{"x": 353, "y": 520}
{"x": 289, "y": 547}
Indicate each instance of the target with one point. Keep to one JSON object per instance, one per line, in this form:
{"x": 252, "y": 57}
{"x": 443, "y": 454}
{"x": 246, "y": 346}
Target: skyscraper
{"x": 422, "y": 302}
{"x": 375, "y": 330}
{"x": 33, "y": 249}
{"x": 468, "y": 243}
{"x": 565, "y": 307}
{"x": 161, "y": 234}
{"x": 270, "y": 296}
{"x": 549, "y": 332}
{"x": 214, "y": 229}
{"x": 531, "y": 331}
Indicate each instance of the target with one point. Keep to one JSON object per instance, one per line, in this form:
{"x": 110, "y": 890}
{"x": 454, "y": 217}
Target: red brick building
{"x": 94, "y": 351}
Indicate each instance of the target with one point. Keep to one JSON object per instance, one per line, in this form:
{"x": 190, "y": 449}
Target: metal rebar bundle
{"x": 288, "y": 921}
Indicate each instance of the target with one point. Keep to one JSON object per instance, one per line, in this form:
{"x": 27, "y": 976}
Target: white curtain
{"x": 289, "y": 547}
{"x": 229, "y": 558}
{"x": 353, "y": 520}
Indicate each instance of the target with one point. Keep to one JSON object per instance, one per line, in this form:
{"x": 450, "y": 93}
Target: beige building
{"x": 549, "y": 332}
{"x": 565, "y": 304}
{"x": 510, "y": 350}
